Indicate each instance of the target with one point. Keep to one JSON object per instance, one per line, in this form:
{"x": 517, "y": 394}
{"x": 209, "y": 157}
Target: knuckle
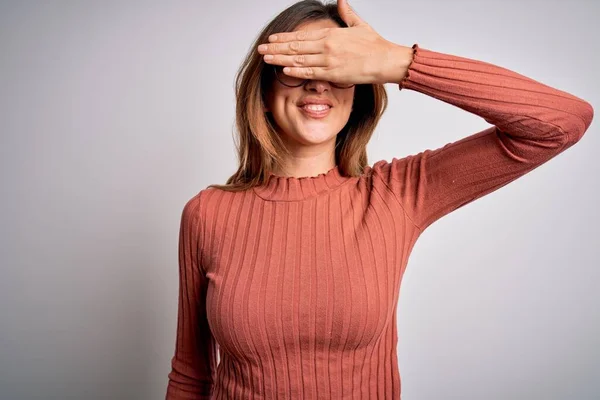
{"x": 308, "y": 72}
{"x": 299, "y": 59}
{"x": 302, "y": 34}
{"x": 295, "y": 46}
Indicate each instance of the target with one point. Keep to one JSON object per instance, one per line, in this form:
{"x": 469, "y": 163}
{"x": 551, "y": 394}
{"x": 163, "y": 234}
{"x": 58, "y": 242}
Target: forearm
{"x": 516, "y": 104}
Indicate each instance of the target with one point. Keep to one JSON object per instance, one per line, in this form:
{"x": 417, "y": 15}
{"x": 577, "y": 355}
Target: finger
{"x": 307, "y": 72}
{"x": 294, "y": 47}
{"x": 300, "y": 60}
{"x": 315, "y": 34}
{"x": 348, "y": 14}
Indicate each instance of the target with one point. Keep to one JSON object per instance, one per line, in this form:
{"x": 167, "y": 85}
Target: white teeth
{"x": 316, "y": 107}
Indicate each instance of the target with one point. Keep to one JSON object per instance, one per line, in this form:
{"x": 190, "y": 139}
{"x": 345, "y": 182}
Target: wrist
{"x": 396, "y": 66}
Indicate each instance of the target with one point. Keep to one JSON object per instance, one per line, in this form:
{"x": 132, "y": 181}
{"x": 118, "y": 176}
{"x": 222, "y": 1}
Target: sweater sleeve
{"x": 193, "y": 367}
{"x": 532, "y": 124}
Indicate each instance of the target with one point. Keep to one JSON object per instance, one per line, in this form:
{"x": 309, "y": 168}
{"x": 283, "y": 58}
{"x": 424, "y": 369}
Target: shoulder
{"x": 203, "y": 201}
{"x": 194, "y": 205}
{"x": 384, "y": 169}
{"x": 191, "y": 209}
{"x": 194, "y": 212}
{"x": 378, "y": 166}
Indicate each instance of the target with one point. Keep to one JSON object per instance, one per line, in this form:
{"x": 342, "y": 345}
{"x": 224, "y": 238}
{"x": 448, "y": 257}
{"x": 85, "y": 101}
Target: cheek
{"x": 282, "y": 106}
{"x": 347, "y": 99}
{"x": 283, "y": 103}
{"x": 273, "y": 98}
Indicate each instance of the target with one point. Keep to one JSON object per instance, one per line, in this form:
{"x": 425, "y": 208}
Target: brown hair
{"x": 259, "y": 146}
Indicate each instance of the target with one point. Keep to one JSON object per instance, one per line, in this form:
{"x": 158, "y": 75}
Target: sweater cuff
{"x": 416, "y": 53}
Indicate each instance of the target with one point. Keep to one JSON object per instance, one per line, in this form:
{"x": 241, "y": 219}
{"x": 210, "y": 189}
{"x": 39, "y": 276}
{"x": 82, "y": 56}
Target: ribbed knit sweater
{"x": 295, "y": 283}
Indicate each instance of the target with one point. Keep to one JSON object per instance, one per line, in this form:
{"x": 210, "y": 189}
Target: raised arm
{"x": 532, "y": 124}
{"x": 193, "y": 367}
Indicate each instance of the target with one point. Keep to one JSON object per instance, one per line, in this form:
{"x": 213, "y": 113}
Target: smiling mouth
{"x": 316, "y": 110}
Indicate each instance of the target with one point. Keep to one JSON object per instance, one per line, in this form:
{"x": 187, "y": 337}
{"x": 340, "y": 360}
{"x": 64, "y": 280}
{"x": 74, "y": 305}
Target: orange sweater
{"x": 296, "y": 283}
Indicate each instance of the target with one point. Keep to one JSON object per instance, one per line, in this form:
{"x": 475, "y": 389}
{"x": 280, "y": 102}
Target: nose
{"x": 316, "y": 85}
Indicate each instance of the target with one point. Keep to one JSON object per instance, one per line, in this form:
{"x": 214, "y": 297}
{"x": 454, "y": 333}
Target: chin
{"x": 316, "y": 133}
{"x": 312, "y": 138}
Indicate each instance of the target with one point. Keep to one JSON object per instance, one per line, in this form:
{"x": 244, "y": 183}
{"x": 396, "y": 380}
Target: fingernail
{"x": 273, "y": 38}
{"x": 262, "y": 47}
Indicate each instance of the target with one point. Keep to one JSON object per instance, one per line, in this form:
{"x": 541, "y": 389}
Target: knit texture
{"x": 295, "y": 283}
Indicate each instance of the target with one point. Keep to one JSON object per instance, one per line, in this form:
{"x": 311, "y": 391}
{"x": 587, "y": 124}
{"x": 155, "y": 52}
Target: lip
{"x": 314, "y": 100}
{"x": 315, "y": 114}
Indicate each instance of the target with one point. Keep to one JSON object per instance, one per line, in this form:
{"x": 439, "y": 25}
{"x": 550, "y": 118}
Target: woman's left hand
{"x": 356, "y": 54}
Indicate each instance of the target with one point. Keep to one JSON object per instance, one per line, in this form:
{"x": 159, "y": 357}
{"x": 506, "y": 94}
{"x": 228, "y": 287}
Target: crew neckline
{"x": 291, "y": 188}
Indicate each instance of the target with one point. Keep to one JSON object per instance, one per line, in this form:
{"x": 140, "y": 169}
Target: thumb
{"x": 348, "y": 14}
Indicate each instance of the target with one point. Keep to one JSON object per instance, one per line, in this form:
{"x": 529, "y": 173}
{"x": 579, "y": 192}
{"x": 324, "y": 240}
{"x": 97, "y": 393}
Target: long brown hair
{"x": 259, "y": 147}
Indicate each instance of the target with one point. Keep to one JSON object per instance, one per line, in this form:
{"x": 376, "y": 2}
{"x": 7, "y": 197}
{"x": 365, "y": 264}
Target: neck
{"x": 295, "y": 188}
{"x": 306, "y": 161}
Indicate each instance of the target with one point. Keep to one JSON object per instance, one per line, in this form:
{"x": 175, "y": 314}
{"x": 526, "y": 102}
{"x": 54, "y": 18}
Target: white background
{"x": 113, "y": 114}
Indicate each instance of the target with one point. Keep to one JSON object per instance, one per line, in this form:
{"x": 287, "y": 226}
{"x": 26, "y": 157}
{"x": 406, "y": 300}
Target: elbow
{"x": 579, "y": 123}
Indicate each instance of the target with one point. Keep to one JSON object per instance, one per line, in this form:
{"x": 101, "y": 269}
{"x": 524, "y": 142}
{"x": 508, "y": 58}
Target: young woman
{"x": 291, "y": 271}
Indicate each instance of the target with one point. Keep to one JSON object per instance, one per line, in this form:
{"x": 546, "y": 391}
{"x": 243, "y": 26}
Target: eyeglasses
{"x": 292, "y": 81}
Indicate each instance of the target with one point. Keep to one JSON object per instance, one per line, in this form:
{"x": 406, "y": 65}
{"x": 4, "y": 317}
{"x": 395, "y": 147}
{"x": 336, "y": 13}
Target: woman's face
{"x": 297, "y": 123}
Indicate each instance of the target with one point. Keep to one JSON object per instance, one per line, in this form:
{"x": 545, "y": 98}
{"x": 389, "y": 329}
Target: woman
{"x": 292, "y": 270}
